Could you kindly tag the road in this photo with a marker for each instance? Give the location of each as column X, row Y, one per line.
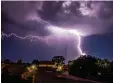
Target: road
column 50, row 77
column 44, row 76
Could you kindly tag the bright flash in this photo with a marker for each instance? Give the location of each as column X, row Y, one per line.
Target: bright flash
column 57, row 31
column 61, row 31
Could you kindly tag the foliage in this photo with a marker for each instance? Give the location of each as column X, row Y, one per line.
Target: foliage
column 103, row 63
column 6, row 61
column 88, row 66
column 19, row 61
column 35, row 61
column 58, row 59
column 84, row 66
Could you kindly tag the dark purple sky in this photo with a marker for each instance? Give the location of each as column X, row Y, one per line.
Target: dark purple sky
column 93, row 19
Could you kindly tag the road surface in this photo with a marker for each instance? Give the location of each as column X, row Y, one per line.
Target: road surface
column 50, row 77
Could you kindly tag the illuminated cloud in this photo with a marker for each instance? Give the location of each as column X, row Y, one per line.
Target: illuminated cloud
column 66, row 4
column 67, row 14
column 33, row 18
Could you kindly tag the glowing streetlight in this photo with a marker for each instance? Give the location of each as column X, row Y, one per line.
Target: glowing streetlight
column 31, row 71
column 59, row 68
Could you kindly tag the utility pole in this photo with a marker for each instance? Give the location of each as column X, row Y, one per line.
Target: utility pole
column 34, row 75
column 33, row 80
column 66, row 52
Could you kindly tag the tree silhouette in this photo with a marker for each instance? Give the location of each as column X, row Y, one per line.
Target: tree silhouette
column 70, row 62
column 105, row 63
column 35, row 61
column 58, row 59
column 7, row 61
column 111, row 67
column 92, row 68
column 84, row 66
column 19, row 61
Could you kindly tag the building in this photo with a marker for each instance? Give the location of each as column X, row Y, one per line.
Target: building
column 46, row 64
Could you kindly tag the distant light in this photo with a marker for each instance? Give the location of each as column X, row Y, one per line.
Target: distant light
column 33, row 66
column 28, row 68
column 99, row 73
column 59, row 68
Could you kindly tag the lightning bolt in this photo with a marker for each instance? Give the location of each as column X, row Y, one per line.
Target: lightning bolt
column 79, row 45
column 30, row 37
column 54, row 30
column 62, row 31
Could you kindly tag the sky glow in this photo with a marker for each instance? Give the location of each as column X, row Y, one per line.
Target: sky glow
column 55, row 31
column 56, row 28
column 62, row 31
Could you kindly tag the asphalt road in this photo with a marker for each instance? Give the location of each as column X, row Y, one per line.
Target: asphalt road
column 51, row 77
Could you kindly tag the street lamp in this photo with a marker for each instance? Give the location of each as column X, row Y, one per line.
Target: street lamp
column 31, row 71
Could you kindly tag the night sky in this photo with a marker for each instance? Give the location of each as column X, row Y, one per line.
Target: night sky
column 93, row 19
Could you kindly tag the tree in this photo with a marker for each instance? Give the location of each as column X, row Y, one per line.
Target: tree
column 19, row 61
column 105, row 63
column 6, row 61
column 92, row 68
column 70, row 62
column 111, row 67
column 58, row 59
column 84, row 66
column 35, row 61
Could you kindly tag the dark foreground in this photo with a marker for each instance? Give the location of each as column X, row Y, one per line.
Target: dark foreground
column 50, row 77
column 44, row 77
column 12, row 74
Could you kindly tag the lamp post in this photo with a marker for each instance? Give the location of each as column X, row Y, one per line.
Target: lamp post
column 34, row 68
column 66, row 53
column 31, row 72
column 33, row 80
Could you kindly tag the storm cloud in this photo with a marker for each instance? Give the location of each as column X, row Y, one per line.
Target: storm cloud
column 88, row 17
column 32, row 18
